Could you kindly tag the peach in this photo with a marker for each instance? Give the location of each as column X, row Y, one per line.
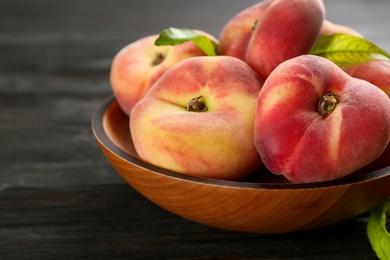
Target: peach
column 138, row 65
column 316, row 123
column 272, row 31
column 198, row 119
column 288, row 28
column 329, row 28
column 235, row 35
column 375, row 72
column 381, row 162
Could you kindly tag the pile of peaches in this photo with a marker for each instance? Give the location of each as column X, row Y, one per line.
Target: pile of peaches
column 262, row 101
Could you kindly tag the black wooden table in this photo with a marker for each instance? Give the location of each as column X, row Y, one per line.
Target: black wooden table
column 59, row 197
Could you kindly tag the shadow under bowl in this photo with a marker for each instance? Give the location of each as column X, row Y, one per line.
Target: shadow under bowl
column 261, row 203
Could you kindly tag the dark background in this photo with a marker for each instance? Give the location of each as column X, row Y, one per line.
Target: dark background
column 59, row 197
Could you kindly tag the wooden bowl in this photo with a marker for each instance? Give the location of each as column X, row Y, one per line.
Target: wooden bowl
column 261, row 203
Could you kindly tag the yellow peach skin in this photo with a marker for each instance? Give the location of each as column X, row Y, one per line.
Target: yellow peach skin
column 212, row 136
column 138, row 65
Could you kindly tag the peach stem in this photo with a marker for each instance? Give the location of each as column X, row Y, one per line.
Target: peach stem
column 158, row 59
column 196, row 105
column 328, row 104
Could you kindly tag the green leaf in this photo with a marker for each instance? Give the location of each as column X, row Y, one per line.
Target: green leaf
column 174, row 36
column 347, row 50
column 377, row 232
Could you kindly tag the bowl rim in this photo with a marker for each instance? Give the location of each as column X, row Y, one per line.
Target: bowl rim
column 102, row 137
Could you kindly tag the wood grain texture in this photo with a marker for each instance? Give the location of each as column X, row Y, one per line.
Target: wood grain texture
column 59, row 196
column 259, row 206
column 115, row 222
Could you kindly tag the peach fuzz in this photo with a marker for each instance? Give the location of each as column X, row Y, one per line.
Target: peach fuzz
column 272, row 31
column 288, row 28
column 214, row 142
column 375, row 72
column 139, row 64
column 382, row 162
column 316, row 123
column 235, row 35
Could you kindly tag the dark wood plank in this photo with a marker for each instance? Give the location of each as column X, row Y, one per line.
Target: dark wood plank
column 115, row 222
column 85, row 35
